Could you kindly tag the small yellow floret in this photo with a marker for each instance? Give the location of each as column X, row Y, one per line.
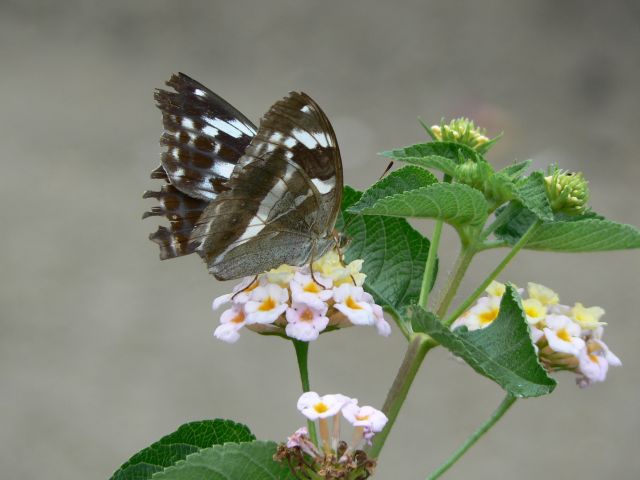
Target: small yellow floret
column 543, row 294
column 496, row 289
column 534, row 308
column 587, row 318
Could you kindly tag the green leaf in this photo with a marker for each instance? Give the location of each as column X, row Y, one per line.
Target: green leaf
column 407, row 178
column 585, row 233
column 456, row 204
column 232, row 461
column 532, row 193
column 189, row 438
column 503, row 351
column 516, row 170
column 394, row 253
column 443, row 156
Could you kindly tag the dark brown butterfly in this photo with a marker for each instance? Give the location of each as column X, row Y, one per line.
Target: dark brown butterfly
column 245, row 199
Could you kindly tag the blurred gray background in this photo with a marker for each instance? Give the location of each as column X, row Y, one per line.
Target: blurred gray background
column 104, row 348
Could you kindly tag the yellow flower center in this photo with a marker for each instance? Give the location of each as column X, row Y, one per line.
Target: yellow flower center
column 362, row 417
column 312, row 287
column 352, row 304
column 267, row 304
column 564, row 335
column 320, row 407
column 488, row 316
column 593, row 358
column 306, row 316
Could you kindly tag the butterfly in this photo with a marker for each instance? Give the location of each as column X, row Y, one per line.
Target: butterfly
column 245, row 199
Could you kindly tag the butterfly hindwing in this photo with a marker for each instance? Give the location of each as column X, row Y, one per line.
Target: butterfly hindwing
column 283, row 197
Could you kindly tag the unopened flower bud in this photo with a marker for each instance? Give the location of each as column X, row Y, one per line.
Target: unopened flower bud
column 460, row 130
column 567, row 192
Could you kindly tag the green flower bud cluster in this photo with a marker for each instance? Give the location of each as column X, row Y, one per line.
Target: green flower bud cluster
column 567, row 192
column 460, row 130
column 497, row 188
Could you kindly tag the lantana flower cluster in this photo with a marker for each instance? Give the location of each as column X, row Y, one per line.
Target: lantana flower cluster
column 336, row 458
column 566, row 337
column 299, row 303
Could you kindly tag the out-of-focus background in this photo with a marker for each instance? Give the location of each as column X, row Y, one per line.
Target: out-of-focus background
column 104, row 349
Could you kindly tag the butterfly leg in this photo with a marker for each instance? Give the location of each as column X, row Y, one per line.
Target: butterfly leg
column 313, row 277
column 251, row 284
column 336, row 236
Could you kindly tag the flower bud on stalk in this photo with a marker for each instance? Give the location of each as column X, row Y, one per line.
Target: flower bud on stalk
column 460, row 130
column 567, row 192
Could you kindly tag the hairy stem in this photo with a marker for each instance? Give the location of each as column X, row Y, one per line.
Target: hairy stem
column 302, row 355
column 508, row 401
column 459, row 269
column 429, row 269
column 418, row 347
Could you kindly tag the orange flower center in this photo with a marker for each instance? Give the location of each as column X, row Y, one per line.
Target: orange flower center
column 320, row 407
column 239, row 318
column 267, row 304
column 488, row 316
column 312, row 287
column 352, row 304
column 306, row 316
column 564, row 335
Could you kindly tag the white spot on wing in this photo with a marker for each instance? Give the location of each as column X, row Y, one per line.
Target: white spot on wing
column 305, row 109
column 187, row 123
column 290, row 142
column 200, row 93
column 304, row 138
column 224, row 127
column 324, row 186
column 223, row 169
column 242, row 127
column 212, row 132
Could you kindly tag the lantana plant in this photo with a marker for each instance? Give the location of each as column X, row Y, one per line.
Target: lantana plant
column 514, row 336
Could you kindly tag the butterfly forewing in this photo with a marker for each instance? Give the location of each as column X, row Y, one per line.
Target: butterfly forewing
column 283, row 197
column 204, row 137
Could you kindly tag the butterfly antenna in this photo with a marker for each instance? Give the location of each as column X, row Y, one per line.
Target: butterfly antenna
column 386, row 170
column 245, row 288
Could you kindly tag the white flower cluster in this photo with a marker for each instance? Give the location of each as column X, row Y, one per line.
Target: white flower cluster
column 567, row 338
column 367, row 420
column 290, row 300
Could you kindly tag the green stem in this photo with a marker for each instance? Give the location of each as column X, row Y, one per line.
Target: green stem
column 499, row 221
column 418, row 347
column 429, row 269
column 508, row 401
column 302, row 355
column 459, row 269
column 478, row 291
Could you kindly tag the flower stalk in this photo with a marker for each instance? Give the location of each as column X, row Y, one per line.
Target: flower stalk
column 302, row 356
column 504, row 406
column 419, row 345
column 492, row 276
